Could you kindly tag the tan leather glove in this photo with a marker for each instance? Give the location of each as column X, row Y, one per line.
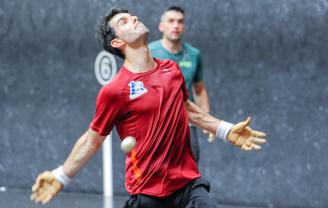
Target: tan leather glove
column 242, row 136
column 45, row 188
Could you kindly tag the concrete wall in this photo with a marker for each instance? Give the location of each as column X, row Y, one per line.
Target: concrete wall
column 264, row 58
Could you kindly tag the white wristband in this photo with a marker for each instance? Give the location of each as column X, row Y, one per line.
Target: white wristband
column 60, row 176
column 223, row 130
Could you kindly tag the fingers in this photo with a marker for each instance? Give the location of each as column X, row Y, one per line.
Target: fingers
column 39, row 180
column 257, row 134
column 211, row 139
column 255, row 146
column 37, row 194
column 246, row 148
column 44, row 194
column 33, row 196
column 37, row 188
column 245, row 138
column 47, row 199
column 210, row 136
column 241, row 125
column 37, row 183
column 45, row 188
column 259, row 140
column 41, row 196
column 250, row 147
column 50, row 192
column 241, row 142
column 251, row 143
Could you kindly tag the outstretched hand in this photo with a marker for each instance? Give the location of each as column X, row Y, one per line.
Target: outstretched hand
column 242, row 136
column 45, row 188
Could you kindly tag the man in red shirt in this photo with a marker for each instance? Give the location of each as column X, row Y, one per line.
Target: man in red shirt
column 147, row 100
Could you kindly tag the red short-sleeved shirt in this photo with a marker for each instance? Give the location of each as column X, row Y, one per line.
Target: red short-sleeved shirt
column 150, row 107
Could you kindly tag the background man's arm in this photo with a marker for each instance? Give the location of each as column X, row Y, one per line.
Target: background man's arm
column 201, row 100
column 200, row 95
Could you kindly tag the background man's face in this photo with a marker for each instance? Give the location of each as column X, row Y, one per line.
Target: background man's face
column 128, row 28
column 172, row 25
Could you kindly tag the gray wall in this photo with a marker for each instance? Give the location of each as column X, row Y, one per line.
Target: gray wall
column 264, row 58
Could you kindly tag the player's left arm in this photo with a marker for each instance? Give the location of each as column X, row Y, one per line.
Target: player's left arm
column 241, row 135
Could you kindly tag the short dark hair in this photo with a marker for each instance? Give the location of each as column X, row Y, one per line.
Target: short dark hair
column 175, row 8
column 106, row 33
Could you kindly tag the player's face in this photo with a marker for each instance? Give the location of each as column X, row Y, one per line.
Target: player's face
column 172, row 25
column 128, row 28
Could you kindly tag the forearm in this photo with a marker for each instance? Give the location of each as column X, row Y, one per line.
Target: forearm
column 201, row 96
column 85, row 147
column 201, row 118
column 201, row 99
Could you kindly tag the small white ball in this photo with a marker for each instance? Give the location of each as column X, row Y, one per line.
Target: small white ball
column 128, row 144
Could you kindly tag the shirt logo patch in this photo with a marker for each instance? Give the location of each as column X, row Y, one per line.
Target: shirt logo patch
column 187, row 64
column 136, row 89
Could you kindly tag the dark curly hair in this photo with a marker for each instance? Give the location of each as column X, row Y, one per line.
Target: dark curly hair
column 106, row 34
column 175, row 8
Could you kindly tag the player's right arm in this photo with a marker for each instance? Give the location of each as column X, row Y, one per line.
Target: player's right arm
column 109, row 108
column 48, row 184
column 85, row 147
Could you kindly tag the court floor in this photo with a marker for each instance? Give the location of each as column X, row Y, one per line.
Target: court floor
column 20, row 198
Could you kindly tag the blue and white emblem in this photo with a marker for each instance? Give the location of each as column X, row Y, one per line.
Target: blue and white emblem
column 136, row 89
